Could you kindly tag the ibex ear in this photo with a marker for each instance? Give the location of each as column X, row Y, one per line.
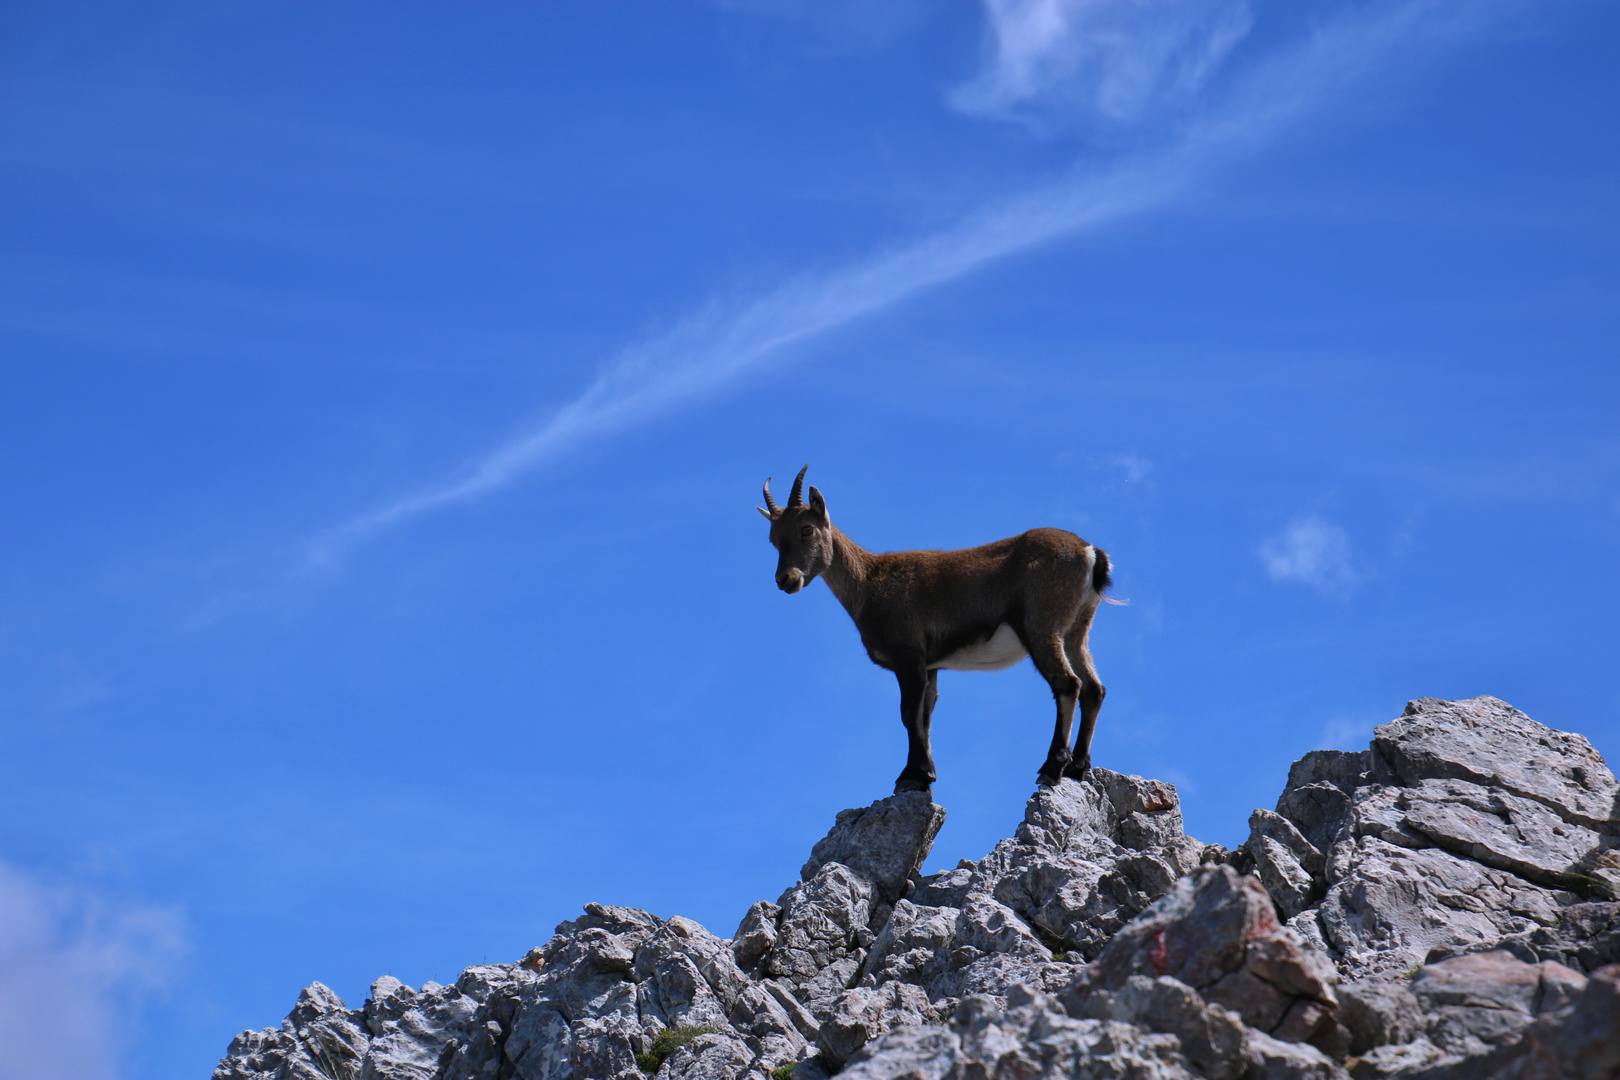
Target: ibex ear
column 818, row 505
column 764, row 513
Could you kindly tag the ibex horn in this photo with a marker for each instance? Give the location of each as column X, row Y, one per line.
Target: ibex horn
column 796, row 496
column 770, row 502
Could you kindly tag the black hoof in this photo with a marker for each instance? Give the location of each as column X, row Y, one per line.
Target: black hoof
column 1047, row 780
column 903, row 785
column 1077, row 770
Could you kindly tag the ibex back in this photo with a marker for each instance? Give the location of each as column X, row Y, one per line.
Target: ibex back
column 981, row 609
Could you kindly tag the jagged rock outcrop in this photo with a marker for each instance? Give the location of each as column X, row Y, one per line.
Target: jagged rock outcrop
column 1445, row 904
column 1465, row 824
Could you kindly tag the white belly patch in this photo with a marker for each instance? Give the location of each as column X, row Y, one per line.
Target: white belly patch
column 1002, row 650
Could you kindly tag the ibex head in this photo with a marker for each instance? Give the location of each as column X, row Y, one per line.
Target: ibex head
column 802, row 534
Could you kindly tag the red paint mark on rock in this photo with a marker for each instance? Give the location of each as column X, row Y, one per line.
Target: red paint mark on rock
column 1159, row 954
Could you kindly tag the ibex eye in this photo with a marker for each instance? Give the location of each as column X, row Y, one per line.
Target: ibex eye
column 805, row 530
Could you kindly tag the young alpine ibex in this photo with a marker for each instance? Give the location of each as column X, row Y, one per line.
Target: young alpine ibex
column 982, row 609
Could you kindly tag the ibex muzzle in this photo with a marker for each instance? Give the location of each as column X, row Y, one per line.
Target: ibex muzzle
column 981, row 609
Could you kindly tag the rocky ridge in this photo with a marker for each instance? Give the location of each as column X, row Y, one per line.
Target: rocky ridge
column 1444, row 904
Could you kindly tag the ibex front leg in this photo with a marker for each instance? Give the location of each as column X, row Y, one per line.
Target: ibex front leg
column 917, row 695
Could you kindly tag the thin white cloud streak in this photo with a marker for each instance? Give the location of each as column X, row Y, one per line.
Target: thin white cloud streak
column 1314, row 552
column 73, row 968
column 711, row 349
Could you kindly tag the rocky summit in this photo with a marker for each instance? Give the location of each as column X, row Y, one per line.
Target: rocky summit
column 1442, row 904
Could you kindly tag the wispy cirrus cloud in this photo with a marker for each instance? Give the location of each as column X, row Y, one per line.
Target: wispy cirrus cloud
column 1346, row 733
column 1061, row 62
column 1132, row 466
column 1312, row 551
column 73, row 965
column 1159, row 60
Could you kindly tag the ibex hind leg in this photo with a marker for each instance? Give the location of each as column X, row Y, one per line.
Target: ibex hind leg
column 1092, row 692
column 1053, row 665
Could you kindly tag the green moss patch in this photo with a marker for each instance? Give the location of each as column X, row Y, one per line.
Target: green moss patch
column 666, row 1043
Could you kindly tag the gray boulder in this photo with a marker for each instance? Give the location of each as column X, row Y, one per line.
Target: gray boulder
column 916, row 1053
column 1488, row 742
column 1274, row 1059
column 1379, row 1013
column 1388, row 906
column 1477, row 1002
column 1503, row 830
column 1217, row 933
column 755, row 934
column 1031, row 1037
column 1212, row 1038
column 1290, row 866
column 716, row 1055
column 1586, row 937
column 320, row 1038
column 862, row 1014
column 885, row 843
column 768, row 1009
column 1465, row 827
column 913, row 946
column 996, row 975
column 818, row 923
column 410, row 1029
column 1089, row 856
column 1581, row 1042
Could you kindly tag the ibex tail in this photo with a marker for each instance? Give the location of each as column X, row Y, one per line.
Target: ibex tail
column 1102, row 577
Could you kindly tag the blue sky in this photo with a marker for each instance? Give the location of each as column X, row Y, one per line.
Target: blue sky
column 387, row 389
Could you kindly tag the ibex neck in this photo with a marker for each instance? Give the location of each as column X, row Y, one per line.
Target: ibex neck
column 846, row 577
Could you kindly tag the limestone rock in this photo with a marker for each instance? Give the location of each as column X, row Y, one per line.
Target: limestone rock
column 1582, row 1044
column 1390, row 906
column 1031, row 1037
column 995, row 976
column 1586, row 937
column 714, row 1056
column 1483, row 1000
column 1273, row 1059
column 913, row 945
column 755, row 934
column 916, row 1053
column 1288, row 865
column 862, row 1014
column 885, row 843
column 1211, row 1037
column 1398, row 1060
column 1379, row 1013
column 768, row 1009
column 1503, row 830
column 1469, row 845
column 1488, row 742
column 320, row 1037
column 1088, row 857
column 1320, row 810
column 409, row 1044
column 986, row 926
column 1217, row 933
column 818, row 923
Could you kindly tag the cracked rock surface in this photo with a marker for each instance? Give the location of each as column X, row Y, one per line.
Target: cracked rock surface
column 1444, row 904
